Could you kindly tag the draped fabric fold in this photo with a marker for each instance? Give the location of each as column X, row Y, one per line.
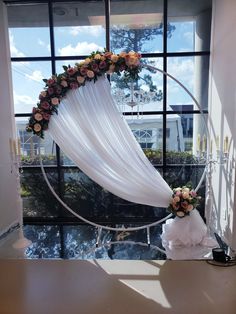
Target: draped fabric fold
column 92, row 133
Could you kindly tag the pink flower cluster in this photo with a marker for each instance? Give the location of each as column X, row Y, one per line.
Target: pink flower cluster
column 183, row 201
column 74, row 77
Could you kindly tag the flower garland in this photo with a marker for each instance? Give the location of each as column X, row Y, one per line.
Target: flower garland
column 97, row 64
column 183, row 201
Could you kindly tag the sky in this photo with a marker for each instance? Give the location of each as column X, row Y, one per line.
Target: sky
column 34, row 42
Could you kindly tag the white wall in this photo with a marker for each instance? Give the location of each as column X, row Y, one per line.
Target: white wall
column 8, row 192
column 222, row 218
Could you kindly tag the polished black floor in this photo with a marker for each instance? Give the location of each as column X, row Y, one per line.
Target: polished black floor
column 79, row 242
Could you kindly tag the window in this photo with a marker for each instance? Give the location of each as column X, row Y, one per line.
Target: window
column 170, row 35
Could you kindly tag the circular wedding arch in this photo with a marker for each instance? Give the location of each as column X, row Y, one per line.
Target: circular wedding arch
column 147, row 226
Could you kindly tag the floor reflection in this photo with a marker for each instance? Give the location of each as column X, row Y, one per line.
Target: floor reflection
column 79, row 242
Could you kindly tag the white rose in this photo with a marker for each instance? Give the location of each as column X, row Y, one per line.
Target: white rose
column 180, row 214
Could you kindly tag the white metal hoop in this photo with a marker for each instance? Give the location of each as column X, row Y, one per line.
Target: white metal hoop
column 144, row 226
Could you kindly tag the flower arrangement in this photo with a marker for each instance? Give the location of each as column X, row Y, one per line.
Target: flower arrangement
column 97, row 64
column 183, row 201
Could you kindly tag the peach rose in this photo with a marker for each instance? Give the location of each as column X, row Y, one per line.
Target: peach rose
column 80, row 79
column 185, row 195
column 97, row 56
column 38, row 116
column 90, row 74
column 114, row 58
column 122, row 54
column 64, row 83
column 43, row 94
column 87, row 61
column 37, row 127
column 190, row 207
column 54, row 101
column 176, row 199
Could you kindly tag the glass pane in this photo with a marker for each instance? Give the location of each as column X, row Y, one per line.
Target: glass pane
column 143, row 95
column 148, row 131
column 137, row 26
column 27, row 83
column 38, row 200
column 192, row 25
column 32, row 146
column 45, row 241
column 79, row 27
column 28, row 30
column 192, row 72
column 186, row 138
column 90, row 200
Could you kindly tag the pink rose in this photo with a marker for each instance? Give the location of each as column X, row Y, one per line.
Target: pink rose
column 178, row 193
column 190, row 207
column 51, row 81
column 102, row 65
column 54, row 101
column 50, row 91
column 122, row 67
column 193, row 193
column 83, row 71
column 108, row 54
column 71, row 71
column 74, row 85
column 58, row 90
column 184, row 205
column 95, row 67
column 46, row 116
column 45, row 105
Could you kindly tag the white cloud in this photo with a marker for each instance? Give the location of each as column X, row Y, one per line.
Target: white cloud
column 87, row 30
column 182, row 69
column 35, row 76
column 41, row 42
column 82, row 48
column 23, row 99
column 189, row 36
column 14, row 51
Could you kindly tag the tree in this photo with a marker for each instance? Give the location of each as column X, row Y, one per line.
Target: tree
column 134, row 39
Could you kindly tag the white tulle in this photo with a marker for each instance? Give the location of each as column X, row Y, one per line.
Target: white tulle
column 92, row 133
column 188, row 231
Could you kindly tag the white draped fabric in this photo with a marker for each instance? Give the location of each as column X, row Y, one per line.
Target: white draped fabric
column 92, row 133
